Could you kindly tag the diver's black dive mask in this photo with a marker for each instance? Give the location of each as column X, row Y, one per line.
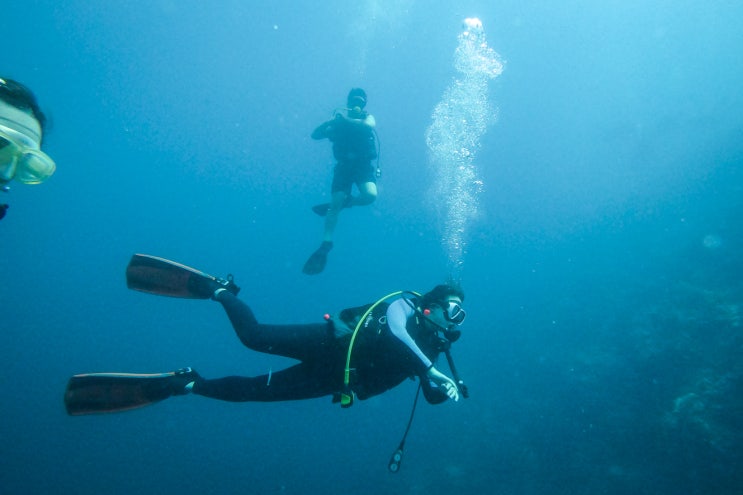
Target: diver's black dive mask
column 454, row 313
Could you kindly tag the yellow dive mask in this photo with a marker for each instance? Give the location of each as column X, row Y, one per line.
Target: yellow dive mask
column 21, row 159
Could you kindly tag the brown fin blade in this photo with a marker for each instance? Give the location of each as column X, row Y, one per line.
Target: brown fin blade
column 163, row 277
column 96, row 393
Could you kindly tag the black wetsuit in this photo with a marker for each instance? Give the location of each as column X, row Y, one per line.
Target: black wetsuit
column 379, row 359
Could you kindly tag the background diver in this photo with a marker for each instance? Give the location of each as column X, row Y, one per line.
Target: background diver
column 361, row 352
column 352, row 132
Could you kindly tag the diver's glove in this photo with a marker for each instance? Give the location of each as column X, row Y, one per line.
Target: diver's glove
column 445, row 382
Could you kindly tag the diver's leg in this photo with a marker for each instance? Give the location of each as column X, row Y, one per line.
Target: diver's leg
column 367, row 194
column 302, row 342
column 301, row 381
column 343, row 180
column 338, row 202
column 341, row 194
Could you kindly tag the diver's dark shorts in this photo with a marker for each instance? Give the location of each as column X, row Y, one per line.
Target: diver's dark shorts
column 347, row 174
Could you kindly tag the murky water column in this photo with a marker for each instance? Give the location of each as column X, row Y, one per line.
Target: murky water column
column 453, row 138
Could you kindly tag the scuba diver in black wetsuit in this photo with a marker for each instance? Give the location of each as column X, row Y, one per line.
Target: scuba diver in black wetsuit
column 21, row 130
column 352, row 132
column 361, row 352
column 398, row 341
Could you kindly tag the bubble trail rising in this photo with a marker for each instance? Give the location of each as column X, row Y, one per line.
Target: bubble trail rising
column 453, row 138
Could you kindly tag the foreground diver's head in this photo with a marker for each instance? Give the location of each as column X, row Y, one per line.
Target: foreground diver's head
column 442, row 306
column 356, row 100
column 21, row 130
column 19, row 96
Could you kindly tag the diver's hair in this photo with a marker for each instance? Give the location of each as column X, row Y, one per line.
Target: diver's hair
column 356, row 93
column 16, row 94
column 440, row 293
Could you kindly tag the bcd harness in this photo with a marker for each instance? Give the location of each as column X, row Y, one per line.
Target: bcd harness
column 346, row 396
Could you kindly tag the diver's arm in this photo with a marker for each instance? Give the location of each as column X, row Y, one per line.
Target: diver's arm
column 444, row 383
column 323, row 130
column 368, row 121
column 397, row 318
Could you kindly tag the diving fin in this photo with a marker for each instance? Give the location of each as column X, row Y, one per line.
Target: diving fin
column 94, row 393
column 316, row 262
column 155, row 275
column 321, row 209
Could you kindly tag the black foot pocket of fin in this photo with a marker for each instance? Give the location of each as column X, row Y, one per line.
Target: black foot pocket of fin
column 316, row 263
column 95, row 393
column 167, row 278
column 321, row 209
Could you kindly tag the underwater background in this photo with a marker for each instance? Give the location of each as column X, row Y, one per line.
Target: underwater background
column 602, row 260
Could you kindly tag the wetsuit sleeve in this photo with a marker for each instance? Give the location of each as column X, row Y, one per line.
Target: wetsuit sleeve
column 397, row 318
column 323, row 130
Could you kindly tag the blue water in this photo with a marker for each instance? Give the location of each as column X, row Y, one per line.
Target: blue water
column 603, row 271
